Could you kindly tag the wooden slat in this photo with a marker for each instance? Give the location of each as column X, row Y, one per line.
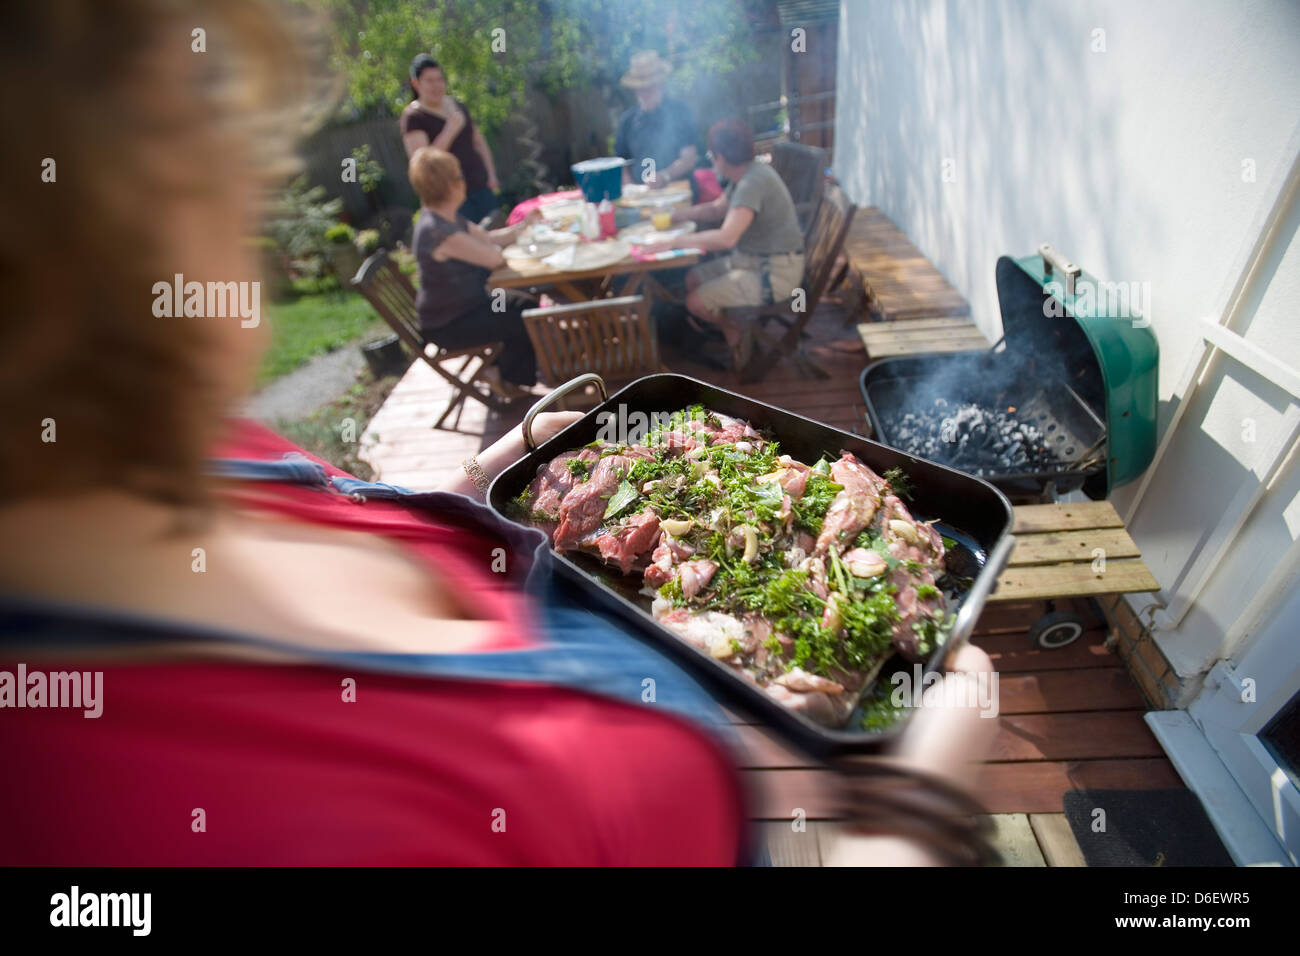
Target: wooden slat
column 1011, row 616
column 1060, row 580
column 944, row 346
column 1091, row 689
column 1056, row 839
column 1073, row 736
column 1015, row 653
column 1040, row 787
column 941, row 323
column 899, row 312
column 1066, row 517
column 899, row 334
column 908, row 291
column 1014, row 840
column 1058, row 547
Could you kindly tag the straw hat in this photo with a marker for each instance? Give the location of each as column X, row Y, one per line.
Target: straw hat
column 646, row 70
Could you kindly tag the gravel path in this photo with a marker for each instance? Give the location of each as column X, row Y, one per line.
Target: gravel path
column 296, row 395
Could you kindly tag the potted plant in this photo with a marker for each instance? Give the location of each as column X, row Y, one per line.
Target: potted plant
column 367, row 242
column 344, row 255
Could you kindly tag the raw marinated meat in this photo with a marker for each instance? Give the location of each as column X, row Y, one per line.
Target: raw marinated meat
column 804, row 578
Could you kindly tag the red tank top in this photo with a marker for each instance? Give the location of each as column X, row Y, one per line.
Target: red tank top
column 235, row 763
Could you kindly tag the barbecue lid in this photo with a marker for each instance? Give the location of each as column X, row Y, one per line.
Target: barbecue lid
column 1075, row 326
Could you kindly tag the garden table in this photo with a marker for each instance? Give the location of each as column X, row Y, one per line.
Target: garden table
column 623, row 278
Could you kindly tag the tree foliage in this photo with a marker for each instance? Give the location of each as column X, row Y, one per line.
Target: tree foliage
column 492, row 51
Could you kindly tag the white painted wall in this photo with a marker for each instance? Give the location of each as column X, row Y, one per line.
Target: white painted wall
column 1135, row 161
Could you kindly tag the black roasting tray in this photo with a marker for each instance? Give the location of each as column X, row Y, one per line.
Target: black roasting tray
column 969, row 510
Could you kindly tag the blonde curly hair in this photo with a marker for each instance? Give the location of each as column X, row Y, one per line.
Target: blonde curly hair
column 93, row 93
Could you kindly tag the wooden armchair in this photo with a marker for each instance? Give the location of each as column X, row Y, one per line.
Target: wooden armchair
column 803, row 170
column 613, row 337
column 827, row 232
column 390, row 293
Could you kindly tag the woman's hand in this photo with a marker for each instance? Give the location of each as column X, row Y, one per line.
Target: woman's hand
column 549, row 424
column 493, row 183
column 508, row 449
column 665, row 245
column 455, row 117
column 946, row 739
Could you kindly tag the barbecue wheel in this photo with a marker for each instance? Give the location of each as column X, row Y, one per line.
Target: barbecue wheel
column 1055, row 630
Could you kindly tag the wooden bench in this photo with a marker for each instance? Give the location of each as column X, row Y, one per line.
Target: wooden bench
column 1056, row 554
column 908, row 306
column 895, row 281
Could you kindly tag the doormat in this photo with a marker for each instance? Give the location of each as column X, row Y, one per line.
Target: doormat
column 1143, row 828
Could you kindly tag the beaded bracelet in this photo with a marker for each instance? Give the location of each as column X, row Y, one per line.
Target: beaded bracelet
column 476, row 473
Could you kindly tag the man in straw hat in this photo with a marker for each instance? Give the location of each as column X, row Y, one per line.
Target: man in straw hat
column 659, row 129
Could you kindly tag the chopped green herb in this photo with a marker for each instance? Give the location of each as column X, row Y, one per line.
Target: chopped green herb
column 899, row 482
column 579, row 468
column 810, row 510
column 520, row 507
column 931, row 631
column 624, row 495
column 672, row 591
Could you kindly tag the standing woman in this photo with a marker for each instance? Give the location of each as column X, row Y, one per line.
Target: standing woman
column 435, row 119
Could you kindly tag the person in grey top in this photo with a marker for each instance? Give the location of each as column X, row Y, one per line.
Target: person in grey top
column 759, row 234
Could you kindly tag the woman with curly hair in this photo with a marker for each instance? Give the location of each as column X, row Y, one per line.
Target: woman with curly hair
column 294, row 667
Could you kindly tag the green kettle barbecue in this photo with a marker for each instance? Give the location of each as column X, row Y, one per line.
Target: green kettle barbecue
column 1066, row 400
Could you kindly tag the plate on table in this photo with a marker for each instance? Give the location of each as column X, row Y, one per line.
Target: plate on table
column 538, row 242
column 589, row 255
column 523, row 263
column 562, row 212
column 657, row 197
column 644, row 232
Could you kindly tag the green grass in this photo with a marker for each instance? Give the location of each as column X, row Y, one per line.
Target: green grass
column 313, row 325
column 323, row 433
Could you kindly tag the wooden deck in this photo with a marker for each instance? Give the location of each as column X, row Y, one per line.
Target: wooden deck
column 404, row 450
column 1070, row 718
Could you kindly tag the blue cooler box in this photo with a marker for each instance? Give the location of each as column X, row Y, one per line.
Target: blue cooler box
column 600, row 178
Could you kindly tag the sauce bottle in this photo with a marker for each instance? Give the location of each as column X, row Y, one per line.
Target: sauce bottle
column 608, row 225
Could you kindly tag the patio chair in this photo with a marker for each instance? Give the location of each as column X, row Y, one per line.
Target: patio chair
column 614, row 338
column 803, row 170
column 829, row 228
column 390, row 293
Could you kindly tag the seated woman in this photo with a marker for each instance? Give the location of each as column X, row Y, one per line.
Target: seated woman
column 455, row 258
column 759, row 234
column 286, row 670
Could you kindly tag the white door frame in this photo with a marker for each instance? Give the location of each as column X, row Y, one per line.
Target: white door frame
column 1214, row 744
